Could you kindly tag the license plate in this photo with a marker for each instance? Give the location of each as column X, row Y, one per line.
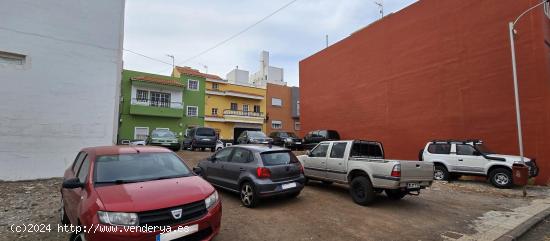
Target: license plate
column 298, row 143
column 288, row 185
column 178, row 233
column 413, row 185
column 206, row 139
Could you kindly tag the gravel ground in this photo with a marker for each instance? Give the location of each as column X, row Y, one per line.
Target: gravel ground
column 444, row 211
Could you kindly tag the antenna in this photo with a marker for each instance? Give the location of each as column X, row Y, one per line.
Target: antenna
column 381, row 6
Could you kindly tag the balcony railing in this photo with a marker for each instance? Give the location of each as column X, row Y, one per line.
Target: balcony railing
column 153, row 103
column 243, row 113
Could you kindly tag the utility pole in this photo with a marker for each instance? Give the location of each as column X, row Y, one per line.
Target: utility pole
column 512, row 32
column 173, row 60
column 381, row 6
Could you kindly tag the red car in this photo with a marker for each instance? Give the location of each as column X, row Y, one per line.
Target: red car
column 137, row 193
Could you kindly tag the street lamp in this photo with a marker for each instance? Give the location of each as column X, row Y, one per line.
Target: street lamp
column 514, row 70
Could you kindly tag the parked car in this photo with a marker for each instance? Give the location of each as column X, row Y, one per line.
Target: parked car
column 254, row 171
column 137, row 143
column 137, row 186
column 165, row 138
column 453, row 158
column 286, row 139
column 361, row 165
column 219, row 145
column 201, row 137
column 253, row 137
column 313, row 138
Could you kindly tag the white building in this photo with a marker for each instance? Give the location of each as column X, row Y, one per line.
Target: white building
column 60, row 71
column 267, row 73
column 238, row 76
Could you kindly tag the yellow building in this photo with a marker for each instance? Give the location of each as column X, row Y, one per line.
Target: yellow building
column 231, row 108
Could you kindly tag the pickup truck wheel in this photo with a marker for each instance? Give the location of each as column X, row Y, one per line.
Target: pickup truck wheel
column 395, row 194
column 441, row 173
column 249, row 198
column 501, row 178
column 361, row 190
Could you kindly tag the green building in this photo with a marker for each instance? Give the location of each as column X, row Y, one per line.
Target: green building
column 152, row 102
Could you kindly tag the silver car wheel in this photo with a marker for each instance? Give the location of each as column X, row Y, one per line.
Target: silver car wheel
column 439, row 175
column 501, row 179
column 246, row 194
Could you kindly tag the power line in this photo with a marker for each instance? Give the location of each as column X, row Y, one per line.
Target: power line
column 145, row 56
column 237, row 34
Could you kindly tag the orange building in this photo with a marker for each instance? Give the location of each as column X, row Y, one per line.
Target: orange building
column 437, row 70
column 282, row 109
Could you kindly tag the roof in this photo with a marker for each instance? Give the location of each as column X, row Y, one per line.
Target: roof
column 157, row 80
column 194, row 72
column 260, row 148
column 116, row 150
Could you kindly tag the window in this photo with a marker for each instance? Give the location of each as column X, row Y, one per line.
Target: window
column 256, row 108
column 367, row 149
column 275, row 124
column 439, row 148
column 234, row 106
column 206, row 132
column 215, row 86
column 223, row 155
column 192, row 111
column 278, row 158
column 84, row 169
column 142, row 95
column 160, row 99
column 241, row 156
column 192, row 84
column 141, row 133
column 320, row 150
column 10, row 58
column 276, row 102
column 466, row 150
column 214, row 111
column 78, row 161
column 338, row 150
column 297, row 126
column 245, row 108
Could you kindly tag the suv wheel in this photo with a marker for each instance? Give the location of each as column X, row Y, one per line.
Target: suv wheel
column 394, row 194
column 361, row 190
column 249, row 198
column 441, row 173
column 501, row 178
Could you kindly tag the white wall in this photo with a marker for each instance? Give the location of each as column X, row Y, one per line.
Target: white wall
column 238, row 76
column 66, row 96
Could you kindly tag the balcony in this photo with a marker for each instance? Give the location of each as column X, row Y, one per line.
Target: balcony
column 156, row 108
column 238, row 116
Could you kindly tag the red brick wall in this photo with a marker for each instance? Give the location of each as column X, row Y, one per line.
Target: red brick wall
column 437, row 69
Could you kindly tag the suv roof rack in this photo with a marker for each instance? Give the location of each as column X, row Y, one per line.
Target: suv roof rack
column 458, row 141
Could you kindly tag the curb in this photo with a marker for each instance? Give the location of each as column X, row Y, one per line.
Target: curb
column 521, row 229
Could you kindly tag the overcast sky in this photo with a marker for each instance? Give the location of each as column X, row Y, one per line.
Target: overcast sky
column 186, row 28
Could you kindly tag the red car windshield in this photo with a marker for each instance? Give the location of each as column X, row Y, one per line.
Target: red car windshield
column 127, row 168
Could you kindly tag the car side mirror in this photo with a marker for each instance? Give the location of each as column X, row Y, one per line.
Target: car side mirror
column 197, row 170
column 72, row 183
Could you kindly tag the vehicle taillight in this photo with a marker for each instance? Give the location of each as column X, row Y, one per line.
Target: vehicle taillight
column 396, row 171
column 301, row 169
column 263, row 172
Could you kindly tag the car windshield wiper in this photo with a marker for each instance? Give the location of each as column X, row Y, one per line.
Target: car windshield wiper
column 168, row 177
column 119, row 181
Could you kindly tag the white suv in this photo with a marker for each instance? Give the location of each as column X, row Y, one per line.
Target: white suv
column 454, row 158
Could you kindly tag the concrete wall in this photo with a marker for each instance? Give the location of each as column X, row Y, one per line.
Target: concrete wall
column 436, row 69
column 66, row 96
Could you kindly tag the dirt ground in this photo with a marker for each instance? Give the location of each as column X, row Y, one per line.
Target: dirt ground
column 443, row 212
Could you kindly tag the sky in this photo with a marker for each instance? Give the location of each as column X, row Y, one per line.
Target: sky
column 186, row 28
